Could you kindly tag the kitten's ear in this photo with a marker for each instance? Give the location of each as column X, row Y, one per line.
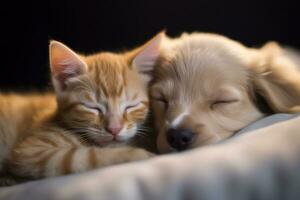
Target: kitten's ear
column 65, row 64
column 148, row 54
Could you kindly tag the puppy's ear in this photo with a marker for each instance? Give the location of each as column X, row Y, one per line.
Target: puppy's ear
column 276, row 78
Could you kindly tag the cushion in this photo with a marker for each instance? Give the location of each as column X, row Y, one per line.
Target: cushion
column 261, row 162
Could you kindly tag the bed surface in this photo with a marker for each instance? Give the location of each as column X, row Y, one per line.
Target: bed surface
column 261, row 162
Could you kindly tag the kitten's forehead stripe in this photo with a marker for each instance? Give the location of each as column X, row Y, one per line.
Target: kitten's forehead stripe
column 124, row 75
column 102, row 87
column 97, row 78
column 108, row 75
column 120, row 90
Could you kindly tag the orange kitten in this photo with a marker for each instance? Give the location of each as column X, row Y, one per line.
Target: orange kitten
column 100, row 101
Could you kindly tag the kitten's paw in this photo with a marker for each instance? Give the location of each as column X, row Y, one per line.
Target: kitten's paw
column 140, row 154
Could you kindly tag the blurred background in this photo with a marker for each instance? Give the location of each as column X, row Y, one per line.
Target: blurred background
column 94, row 25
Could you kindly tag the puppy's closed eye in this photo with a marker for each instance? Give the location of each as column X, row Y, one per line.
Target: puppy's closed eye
column 223, row 102
column 226, row 96
column 162, row 102
column 159, row 99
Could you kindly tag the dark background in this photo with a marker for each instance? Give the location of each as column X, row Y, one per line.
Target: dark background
column 92, row 25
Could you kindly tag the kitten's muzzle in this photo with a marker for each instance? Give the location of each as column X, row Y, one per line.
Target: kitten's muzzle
column 180, row 139
column 114, row 130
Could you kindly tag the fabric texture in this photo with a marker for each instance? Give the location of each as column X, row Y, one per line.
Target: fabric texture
column 261, row 162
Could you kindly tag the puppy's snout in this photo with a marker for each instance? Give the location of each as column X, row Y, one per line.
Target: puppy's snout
column 180, row 139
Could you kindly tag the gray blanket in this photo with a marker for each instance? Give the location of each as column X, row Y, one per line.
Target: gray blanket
column 259, row 164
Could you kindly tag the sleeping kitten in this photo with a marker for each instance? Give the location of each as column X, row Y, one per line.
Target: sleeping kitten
column 100, row 100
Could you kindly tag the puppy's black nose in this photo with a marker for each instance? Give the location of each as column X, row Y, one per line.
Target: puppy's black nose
column 180, row 139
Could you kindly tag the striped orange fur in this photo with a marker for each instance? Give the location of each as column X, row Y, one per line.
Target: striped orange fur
column 99, row 103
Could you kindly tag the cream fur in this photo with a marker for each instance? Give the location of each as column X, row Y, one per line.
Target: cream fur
column 215, row 78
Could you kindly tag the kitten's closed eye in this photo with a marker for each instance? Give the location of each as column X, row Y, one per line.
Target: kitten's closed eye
column 130, row 107
column 94, row 108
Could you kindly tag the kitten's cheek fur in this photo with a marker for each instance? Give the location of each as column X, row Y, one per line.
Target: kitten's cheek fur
column 127, row 134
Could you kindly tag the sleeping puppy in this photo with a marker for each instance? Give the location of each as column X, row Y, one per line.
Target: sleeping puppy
column 206, row 87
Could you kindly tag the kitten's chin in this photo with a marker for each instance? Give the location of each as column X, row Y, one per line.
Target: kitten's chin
column 108, row 139
column 122, row 138
column 112, row 141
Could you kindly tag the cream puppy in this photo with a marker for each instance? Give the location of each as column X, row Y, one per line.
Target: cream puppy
column 206, row 87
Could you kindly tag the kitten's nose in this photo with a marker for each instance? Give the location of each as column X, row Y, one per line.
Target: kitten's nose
column 114, row 130
column 114, row 125
column 180, row 139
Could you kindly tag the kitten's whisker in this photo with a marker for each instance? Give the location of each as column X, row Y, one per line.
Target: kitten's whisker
column 142, row 134
column 144, row 130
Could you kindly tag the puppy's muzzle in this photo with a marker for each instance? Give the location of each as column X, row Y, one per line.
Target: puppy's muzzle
column 180, row 139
